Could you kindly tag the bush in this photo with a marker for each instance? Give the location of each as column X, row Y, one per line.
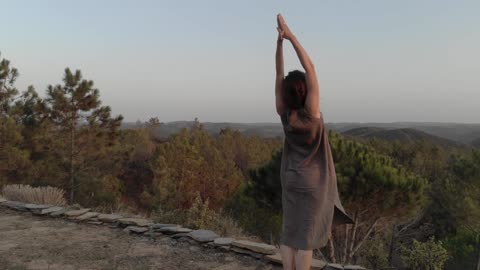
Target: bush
column 374, row 253
column 38, row 195
column 430, row 255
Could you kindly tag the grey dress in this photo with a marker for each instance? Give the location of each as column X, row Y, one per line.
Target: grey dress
column 310, row 200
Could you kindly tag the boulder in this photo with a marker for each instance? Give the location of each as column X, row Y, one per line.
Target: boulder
column 140, row 222
column 2, row 200
column 257, row 247
column 75, row 213
column 135, row 229
column 109, row 218
column 223, row 241
column 203, row 235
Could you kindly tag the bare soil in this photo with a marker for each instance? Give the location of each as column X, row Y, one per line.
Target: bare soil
column 31, row 242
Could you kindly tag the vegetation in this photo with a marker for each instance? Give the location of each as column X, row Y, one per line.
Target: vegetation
column 397, row 191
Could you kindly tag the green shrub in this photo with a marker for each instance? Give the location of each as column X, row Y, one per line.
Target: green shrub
column 374, row 253
column 430, row 255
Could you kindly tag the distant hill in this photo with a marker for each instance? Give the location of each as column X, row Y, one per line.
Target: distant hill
column 401, row 134
column 461, row 133
column 476, row 143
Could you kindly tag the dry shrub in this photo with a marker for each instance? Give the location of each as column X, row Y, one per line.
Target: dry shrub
column 39, row 195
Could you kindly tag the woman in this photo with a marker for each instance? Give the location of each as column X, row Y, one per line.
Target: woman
column 310, row 199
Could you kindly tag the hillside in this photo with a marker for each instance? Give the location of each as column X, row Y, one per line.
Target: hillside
column 452, row 132
column 401, row 134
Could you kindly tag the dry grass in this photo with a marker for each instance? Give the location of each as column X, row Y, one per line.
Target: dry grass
column 39, row 195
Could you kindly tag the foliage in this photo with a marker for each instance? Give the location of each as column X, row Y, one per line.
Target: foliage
column 374, row 253
column 38, row 195
column 430, row 255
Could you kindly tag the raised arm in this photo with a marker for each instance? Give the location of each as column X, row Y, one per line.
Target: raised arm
column 313, row 91
column 279, row 75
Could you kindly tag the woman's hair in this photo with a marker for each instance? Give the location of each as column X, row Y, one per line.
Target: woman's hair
column 294, row 90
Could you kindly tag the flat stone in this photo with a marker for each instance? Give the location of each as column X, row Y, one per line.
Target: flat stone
column 333, row 266
column 179, row 235
column 172, row 230
column 140, row 222
column 74, row 213
column 318, row 264
column 95, row 222
column 32, row 206
column 2, row 200
column 203, row 235
column 86, row 216
column 223, row 241
column 157, row 226
column 15, row 205
column 58, row 213
column 47, row 211
column 354, row 267
column 246, row 252
column 257, row 247
column 276, row 258
column 109, row 218
column 135, row 229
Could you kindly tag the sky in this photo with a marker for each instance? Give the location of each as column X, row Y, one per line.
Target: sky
column 376, row 60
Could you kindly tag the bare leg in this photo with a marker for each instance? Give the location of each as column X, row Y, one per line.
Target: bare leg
column 288, row 254
column 303, row 259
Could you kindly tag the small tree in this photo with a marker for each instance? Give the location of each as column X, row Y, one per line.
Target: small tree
column 425, row 256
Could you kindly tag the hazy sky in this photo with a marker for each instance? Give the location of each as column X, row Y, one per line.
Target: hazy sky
column 376, row 60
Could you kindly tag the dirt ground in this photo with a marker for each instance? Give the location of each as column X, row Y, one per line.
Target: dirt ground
column 31, row 242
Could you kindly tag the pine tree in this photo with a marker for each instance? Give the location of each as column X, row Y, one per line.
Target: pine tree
column 87, row 127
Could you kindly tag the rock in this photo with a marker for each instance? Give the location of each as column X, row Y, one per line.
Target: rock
column 95, row 222
column 135, row 229
column 140, row 222
column 194, row 248
column 109, row 218
column 246, row 252
column 31, row 206
column 179, row 235
column 277, row 258
column 157, row 226
column 58, row 213
column 86, row 216
column 203, row 235
column 333, row 266
column 223, row 241
column 74, row 213
column 47, row 211
column 19, row 206
column 257, row 247
column 354, row 267
column 318, row 264
column 172, row 230
column 2, row 200
column 224, row 248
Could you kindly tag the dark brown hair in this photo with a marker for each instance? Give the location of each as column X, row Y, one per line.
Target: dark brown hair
column 294, row 90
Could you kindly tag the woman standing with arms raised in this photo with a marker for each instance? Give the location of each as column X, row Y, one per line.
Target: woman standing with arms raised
column 310, row 198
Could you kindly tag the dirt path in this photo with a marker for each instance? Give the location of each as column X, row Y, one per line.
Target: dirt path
column 30, row 242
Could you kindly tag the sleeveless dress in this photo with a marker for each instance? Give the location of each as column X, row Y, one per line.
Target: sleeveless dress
column 310, row 200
